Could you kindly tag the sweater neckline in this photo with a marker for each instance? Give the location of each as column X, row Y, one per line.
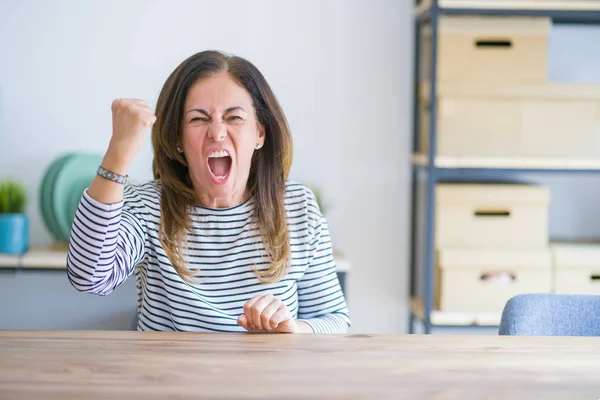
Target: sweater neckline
column 240, row 208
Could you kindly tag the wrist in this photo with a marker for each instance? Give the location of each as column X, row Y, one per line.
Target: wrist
column 303, row 327
column 116, row 161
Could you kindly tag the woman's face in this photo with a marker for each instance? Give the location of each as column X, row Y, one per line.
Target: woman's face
column 220, row 134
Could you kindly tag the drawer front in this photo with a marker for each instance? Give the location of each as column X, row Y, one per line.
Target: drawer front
column 504, row 127
column 490, row 49
column 488, row 290
column 493, row 58
column 497, row 226
column 479, row 127
column 577, row 281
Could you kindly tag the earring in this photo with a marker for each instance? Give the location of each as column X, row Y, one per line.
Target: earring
column 259, row 146
column 179, row 149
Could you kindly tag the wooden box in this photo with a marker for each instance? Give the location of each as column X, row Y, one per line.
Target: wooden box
column 483, row 280
column 478, row 49
column 576, row 268
column 544, row 5
column 519, row 122
column 491, row 216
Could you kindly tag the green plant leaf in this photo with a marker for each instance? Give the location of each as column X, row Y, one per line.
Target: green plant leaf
column 13, row 197
column 318, row 197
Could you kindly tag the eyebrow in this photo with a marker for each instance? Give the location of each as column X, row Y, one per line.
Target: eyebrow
column 202, row 111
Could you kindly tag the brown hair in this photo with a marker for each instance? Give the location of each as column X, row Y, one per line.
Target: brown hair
column 269, row 166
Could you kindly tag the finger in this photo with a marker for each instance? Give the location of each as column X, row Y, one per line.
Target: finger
column 281, row 315
column 142, row 108
column 243, row 322
column 256, row 330
column 129, row 104
column 117, row 104
column 258, row 308
column 265, row 317
column 143, row 113
column 139, row 102
column 248, row 309
column 147, row 118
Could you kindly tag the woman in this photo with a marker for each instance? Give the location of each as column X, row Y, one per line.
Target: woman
column 220, row 240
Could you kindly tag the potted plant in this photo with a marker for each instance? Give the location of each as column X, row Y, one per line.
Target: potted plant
column 14, row 226
column 318, row 197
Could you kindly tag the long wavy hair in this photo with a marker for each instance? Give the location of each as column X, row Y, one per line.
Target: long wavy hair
column 268, row 171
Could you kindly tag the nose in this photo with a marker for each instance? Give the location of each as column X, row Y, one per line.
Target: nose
column 217, row 130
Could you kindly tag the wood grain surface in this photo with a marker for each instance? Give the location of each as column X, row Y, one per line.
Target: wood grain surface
column 149, row 365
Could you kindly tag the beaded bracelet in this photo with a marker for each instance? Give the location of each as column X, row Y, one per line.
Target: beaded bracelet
column 122, row 179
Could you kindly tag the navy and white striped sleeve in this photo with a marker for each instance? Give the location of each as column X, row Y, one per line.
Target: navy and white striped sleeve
column 107, row 242
column 321, row 302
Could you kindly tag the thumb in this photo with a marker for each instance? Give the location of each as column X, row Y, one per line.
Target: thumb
column 287, row 326
column 243, row 321
column 149, row 121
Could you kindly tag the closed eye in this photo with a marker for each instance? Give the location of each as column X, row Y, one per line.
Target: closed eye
column 199, row 119
column 235, row 118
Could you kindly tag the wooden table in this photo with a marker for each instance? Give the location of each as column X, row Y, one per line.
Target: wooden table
column 127, row 365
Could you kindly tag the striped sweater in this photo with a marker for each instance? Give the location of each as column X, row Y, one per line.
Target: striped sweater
column 110, row 242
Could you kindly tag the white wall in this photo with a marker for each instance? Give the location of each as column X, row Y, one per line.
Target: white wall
column 341, row 69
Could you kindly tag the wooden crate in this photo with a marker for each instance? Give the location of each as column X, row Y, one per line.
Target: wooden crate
column 576, row 268
column 483, row 49
column 483, row 280
column 491, row 216
column 515, row 121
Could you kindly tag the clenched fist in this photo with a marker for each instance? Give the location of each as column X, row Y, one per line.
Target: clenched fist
column 266, row 313
column 130, row 118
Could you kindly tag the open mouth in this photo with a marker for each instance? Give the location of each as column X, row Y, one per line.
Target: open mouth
column 219, row 163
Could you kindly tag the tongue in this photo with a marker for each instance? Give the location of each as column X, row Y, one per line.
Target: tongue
column 219, row 166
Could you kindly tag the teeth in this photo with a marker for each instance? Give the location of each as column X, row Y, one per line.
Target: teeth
column 217, row 154
column 221, row 177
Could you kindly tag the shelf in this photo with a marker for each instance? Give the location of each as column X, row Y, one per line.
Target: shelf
column 7, row 261
column 439, row 168
column 342, row 265
column 510, row 164
column 539, row 5
column 561, row 11
column 454, row 319
column 44, row 259
column 35, row 259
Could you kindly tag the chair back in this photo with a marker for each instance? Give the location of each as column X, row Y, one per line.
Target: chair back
column 551, row 315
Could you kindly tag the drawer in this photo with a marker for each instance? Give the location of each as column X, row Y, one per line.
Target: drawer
column 478, row 49
column 559, row 121
column 491, row 216
column 576, row 268
column 483, row 280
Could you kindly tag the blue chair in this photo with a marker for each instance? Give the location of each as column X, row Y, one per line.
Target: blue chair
column 551, row 315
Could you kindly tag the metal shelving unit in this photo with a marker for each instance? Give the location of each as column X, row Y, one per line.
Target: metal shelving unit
column 427, row 171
